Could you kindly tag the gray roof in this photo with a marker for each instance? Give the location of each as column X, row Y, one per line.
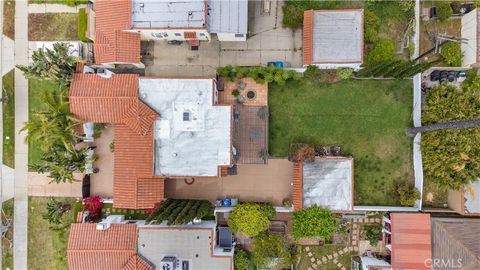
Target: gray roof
column 192, row 136
column 328, row 183
column 337, row 36
column 168, row 14
column 227, row 16
column 456, row 238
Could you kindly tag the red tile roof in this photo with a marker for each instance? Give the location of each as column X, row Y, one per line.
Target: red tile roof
column 190, row 35
column 111, row 43
column 308, row 37
column 134, row 187
column 297, row 186
column 113, row 248
column 411, row 242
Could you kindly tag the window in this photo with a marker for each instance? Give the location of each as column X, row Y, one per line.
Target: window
column 239, row 35
column 178, row 34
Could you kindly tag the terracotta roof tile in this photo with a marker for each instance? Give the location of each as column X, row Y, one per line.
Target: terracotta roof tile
column 89, row 248
column 140, row 118
column 307, row 37
column 149, row 192
column 137, row 263
column 297, row 185
column 111, row 43
column 411, row 242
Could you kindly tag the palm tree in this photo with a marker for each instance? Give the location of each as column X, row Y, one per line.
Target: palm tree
column 411, row 132
column 55, row 211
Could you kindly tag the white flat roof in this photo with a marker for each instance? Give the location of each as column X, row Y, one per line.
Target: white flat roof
column 337, row 36
column 228, row 16
column 168, row 13
column 328, row 183
column 192, row 136
column 190, row 244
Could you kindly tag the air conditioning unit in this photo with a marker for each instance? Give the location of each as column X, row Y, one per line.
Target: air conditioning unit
column 169, row 263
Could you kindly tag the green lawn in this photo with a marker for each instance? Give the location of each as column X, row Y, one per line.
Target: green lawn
column 367, row 118
column 9, row 119
column 47, row 248
column 71, row 3
column 35, row 87
column 52, row 26
column 319, row 252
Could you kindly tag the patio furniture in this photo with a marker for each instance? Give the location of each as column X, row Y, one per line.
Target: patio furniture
column 234, row 201
column 227, row 202
column 241, row 85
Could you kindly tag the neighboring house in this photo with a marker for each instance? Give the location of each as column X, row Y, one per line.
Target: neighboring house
column 163, row 128
column 326, row 182
column 333, row 38
column 455, row 243
column 115, row 243
column 407, row 238
column 116, row 27
column 466, row 201
column 470, row 30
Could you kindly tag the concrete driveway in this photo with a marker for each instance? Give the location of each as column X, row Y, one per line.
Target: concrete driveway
column 258, row 183
column 267, row 41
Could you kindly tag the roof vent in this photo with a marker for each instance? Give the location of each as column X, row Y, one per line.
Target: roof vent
column 186, row 116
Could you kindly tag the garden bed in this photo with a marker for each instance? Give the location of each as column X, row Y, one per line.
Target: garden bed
column 107, row 208
column 52, row 26
column 367, row 118
column 9, row 119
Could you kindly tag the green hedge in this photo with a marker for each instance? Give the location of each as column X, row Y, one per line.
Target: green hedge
column 82, row 25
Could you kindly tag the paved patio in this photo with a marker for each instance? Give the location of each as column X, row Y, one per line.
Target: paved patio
column 260, row 183
column 267, row 41
column 101, row 183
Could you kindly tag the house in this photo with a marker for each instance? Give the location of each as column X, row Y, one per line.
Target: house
column 116, row 27
column 467, row 200
column 333, row 38
column 326, row 182
column 118, row 244
column 469, row 32
column 164, row 128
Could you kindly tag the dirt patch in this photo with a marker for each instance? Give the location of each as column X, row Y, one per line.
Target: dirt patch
column 52, row 27
column 9, row 18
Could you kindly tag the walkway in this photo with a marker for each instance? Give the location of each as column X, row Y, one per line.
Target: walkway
column 53, row 8
column 7, row 182
column 39, row 185
column 8, row 55
column 20, row 241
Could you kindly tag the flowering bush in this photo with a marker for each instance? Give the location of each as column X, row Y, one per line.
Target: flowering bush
column 93, row 205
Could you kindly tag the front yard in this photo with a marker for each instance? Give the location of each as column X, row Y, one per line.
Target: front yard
column 52, row 27
column 8, row 119
column 367, row 118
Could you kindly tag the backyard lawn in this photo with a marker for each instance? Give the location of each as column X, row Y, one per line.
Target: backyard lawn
column 367, row 118
column 8, row 119
column 319, row 252
column 47, row 248
column 35, row 87
column 52, row 26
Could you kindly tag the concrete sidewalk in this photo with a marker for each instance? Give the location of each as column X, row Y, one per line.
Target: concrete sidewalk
column 20, row 225
column 7, row 183
column 8, row 55
column 53, row 8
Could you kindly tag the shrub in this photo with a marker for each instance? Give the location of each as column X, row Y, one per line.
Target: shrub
column 271, row 250
column 249, row 219
column 93, row 205
column 293, row 11
column 311, row 72
column 373, row 233
column 55, row 211
column 452, row 54
column 82, row 25
column 235, row 92
column 344, row 73
column 241, row 260
column 287, row 203
column 259, row 74
column 299, row 152
column 382, row 51
column 314, row 222
column 444, row 10
column 372, row 26
column 408, row 194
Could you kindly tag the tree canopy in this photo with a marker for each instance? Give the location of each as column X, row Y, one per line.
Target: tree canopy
column 250, row 218
column 271, row 250
column 314, row 222
column 451, row 157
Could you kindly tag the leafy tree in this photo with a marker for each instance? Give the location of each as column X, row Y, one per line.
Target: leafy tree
column 241, row 260
column 298, row 152
column 382, row 51
column 373, row 233
column 54, row 125
column 452, row 54
column 55, row 211
column 314, row 222
column 61, row 163
column 271, row 250
column 408, row 194
column 444, row 10
column 249, row 219
column 56, row 65
column 451, row 157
